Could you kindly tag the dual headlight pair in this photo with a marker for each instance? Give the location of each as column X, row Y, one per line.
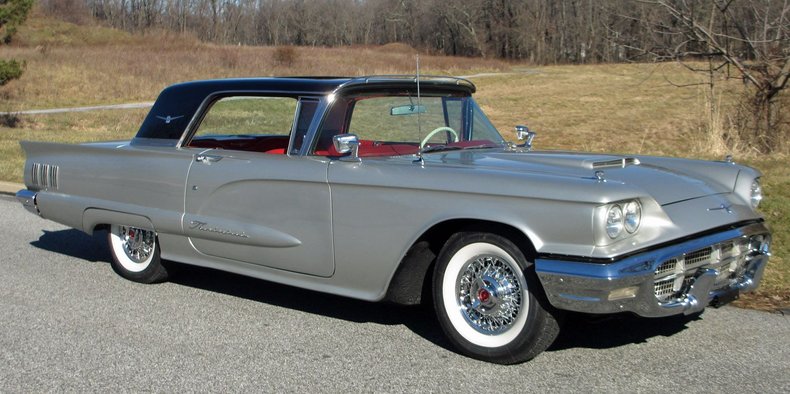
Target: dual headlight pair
column 624, row 216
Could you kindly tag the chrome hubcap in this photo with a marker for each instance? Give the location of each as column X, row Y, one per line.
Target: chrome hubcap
column 489, row 294
column 138, row 244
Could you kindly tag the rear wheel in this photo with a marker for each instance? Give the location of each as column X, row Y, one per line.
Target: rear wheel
column 488, row 301
column 135, row 254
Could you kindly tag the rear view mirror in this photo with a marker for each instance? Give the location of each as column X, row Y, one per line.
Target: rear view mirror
column 407, row 110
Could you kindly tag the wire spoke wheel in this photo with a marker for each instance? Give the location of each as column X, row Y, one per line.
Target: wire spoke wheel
column 489, row 294
column 138, row 244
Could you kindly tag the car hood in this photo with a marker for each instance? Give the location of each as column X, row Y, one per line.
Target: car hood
column 667, row 180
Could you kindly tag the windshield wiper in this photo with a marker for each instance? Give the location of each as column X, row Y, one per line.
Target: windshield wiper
column 439, row 148
column 481, row 146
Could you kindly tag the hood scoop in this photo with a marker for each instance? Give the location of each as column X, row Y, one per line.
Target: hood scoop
column 617, row 163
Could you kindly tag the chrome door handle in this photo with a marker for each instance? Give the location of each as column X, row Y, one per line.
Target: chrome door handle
column 207, row 159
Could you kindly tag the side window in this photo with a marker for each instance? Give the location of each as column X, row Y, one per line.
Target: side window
column 250, row 123
column 249, row 116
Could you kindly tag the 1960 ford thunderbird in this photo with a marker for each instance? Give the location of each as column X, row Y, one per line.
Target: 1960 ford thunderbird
column 399, row 188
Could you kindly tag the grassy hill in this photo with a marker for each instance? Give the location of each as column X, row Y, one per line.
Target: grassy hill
column 623, row 108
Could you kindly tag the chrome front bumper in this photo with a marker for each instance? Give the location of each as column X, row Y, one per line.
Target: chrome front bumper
column 638, row 282
column 28, row 200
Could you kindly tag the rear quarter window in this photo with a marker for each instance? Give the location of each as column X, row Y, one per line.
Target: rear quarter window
column 249, row 116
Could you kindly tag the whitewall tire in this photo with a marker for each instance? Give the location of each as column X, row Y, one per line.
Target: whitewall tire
column 488, row 301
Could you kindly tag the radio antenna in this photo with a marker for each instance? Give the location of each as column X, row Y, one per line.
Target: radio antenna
column 419, row 107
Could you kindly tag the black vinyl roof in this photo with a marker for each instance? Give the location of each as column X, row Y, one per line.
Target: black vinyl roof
column 177, row 104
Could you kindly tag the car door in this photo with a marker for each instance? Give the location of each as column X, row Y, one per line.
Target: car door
column 243, row 204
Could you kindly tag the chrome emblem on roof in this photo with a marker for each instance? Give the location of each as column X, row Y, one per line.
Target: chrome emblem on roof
column 169, row 118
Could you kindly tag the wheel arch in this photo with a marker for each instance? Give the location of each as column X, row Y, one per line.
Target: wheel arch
column 411, row 280
column 97, row 218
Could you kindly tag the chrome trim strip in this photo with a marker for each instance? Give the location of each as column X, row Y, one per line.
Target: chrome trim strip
column 28, row 200
column 44, row 176
column 617, row 163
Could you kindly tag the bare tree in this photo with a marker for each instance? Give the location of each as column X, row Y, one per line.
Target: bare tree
column 742, row 39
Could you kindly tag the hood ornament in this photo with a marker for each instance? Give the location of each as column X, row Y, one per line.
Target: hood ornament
column 723, row 207
column 169, row 118
column 600, row 176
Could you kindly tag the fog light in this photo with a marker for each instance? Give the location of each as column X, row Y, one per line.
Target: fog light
column 625, row 292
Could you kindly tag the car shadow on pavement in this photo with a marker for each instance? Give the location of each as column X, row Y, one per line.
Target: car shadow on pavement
column 76, row 244
column 579, row 330
column 610, row 331
column 417, row 318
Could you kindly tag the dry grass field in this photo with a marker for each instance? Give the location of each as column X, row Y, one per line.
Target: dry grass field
column 623, row 108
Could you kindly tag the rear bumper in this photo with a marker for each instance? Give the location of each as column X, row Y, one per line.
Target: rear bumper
column 28, row 200
column 682, row 278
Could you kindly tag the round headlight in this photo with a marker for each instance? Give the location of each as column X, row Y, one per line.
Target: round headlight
column 633, row 216
column 614, row 221
column 757, row 193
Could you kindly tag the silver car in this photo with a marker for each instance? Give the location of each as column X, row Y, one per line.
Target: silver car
column 399, row 188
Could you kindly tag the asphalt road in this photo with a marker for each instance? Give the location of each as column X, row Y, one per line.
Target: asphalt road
column 68, row 323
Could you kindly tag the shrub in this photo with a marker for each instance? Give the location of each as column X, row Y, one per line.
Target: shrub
column 9, row 70
column 284, row 56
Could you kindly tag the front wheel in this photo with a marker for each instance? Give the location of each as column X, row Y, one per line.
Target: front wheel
column 135, row 254
column 488, row 301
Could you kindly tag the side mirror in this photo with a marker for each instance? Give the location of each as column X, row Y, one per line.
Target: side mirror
column 347, row 143
column 523, row 133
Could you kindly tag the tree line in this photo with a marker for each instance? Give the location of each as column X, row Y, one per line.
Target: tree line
column 542, row 31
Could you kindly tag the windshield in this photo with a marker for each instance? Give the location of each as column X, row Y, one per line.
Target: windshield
column 403, row 125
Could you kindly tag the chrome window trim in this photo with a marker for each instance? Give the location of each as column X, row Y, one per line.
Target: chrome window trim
column 205, row 105
column 294, row 126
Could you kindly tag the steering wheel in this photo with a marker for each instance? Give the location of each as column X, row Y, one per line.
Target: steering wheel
column 436, row 130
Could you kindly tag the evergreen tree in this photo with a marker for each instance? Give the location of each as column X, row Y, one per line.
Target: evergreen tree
column 12, row 14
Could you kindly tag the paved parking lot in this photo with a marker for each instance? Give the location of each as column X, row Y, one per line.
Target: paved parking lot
column 68, row 323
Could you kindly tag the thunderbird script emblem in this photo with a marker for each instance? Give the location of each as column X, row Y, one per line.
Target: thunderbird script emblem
column 169, row 118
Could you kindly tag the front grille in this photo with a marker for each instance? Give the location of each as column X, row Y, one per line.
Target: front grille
column 674, row 277
column 45, row 176
column 666, row 267
column 665, row 288
column 699, row 257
